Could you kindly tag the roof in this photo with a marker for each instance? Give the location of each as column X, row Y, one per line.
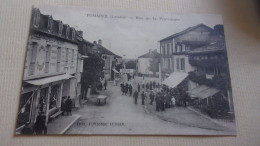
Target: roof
column 104, row 50
column 186, row 30
column 217, row 46
column 150, row 55
column 174, row 79
column 203, row 91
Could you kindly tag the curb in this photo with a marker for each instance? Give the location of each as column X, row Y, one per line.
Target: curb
column 204, row 116
column 64, row 130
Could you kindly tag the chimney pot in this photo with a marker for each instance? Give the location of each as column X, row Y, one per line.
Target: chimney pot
column 100, row 42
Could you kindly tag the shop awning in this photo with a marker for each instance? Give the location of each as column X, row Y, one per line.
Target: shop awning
column 196, row 90
column 115, row 70
column 47, row 80
column 203, row 91
column 174, row 79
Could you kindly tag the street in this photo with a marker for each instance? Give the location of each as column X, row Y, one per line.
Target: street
column 121, row 116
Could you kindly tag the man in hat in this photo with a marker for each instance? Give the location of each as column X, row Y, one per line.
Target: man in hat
column 68, row 106
column 27, row 129
column 136, row 96
column 40, row 124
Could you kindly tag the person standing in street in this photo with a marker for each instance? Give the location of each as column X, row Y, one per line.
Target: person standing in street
column 63, row 105
column 130, row 89
column 68, row 106
column 136, row 96
column 40, row 124
column 105, row 84
column 126, row 88
column 122, row 88
column 157, row 100
column 143, row 97
column 151, row 98
column 147, row 86
column 138, row 87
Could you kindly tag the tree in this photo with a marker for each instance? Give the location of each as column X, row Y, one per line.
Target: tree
column 92, row 71
column 131, row 64
column 154, row 64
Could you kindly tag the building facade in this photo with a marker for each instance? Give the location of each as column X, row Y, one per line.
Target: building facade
column 109, row 58
column 173, row 49
column 50, row 71
column 147, row 63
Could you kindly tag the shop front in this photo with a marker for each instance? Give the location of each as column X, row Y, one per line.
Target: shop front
column 38, row 95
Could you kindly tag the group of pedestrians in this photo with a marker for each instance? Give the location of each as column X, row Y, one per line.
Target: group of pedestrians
column 66, row 105
column 164, row 100
column 126, row 88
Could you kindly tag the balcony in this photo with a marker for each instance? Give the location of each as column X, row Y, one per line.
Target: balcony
column 218, row 81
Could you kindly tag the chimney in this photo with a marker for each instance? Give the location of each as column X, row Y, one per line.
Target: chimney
column 150, row 51
column 95, row 42
column 80, row 33
column 100, row 42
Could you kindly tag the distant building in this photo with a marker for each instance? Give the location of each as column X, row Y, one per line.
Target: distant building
column 145, row 61
column 50, row 70
column 211, row 68
column 109, row 57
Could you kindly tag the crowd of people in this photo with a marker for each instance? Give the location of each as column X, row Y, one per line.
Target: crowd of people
column 150, row 93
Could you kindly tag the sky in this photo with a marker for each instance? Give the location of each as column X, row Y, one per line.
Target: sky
column 126, row 35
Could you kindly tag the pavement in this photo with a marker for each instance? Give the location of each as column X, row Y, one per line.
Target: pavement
column 61, row 124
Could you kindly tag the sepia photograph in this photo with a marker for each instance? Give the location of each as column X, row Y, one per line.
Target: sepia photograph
column 115, row 72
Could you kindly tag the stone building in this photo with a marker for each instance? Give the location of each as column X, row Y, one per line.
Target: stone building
column 144, row 63
column 110, row 58
column 173, row 49
column 50, row 71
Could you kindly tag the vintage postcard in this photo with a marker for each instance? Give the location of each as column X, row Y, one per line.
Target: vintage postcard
column 114, row 72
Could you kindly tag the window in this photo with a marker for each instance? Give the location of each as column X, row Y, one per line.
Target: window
column 178, row 63
column 163, row 50
column 58, row 59
column 72, row 57
column 36, row 18
column 168, row 48
column 173, row 64
column 54, row 96
column 67, row 56
column 171, row 48
column 169, row 63
column 183, row 64
column 73, row 34
column 183, row 47
column 67, row 31
column 49, row 23
column 60, row 27
column 47, row 61
column 178, row 48
column 33, row 58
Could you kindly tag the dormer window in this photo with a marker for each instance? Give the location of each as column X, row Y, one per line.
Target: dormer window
column 67, row 31
column 50, row 20
column 73, row 34
column 36, row 18
column 60, row 27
